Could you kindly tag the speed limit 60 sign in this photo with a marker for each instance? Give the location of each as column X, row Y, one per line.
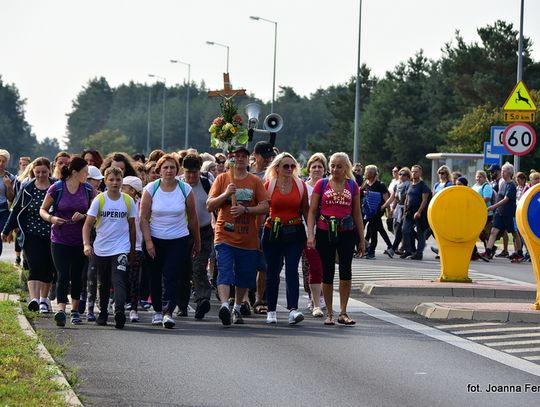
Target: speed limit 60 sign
column 519, row 138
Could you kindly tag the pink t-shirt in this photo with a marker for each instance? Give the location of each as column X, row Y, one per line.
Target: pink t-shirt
column 332, row 203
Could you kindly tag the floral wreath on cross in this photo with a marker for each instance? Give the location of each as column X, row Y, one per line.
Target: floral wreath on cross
column 227, row 130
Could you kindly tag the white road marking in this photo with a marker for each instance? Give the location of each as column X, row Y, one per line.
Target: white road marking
column 465, row 344
column 520, row 350
column 507, row 336
column 472, row 325
column 532, row 357
column 512, row 343
column 480, row 331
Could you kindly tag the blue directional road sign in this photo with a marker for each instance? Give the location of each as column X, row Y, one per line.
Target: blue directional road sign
column 497, row 145
column 533, row 215
column 489, row 157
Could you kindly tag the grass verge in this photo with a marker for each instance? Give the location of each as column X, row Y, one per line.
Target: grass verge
column 9, row 279
column 25, row 378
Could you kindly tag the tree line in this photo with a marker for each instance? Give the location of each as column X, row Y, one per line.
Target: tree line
column 419, row 107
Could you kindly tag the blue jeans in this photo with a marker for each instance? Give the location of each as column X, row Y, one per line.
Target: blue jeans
column 407, row 229
column 275, row 253
column 4, row 215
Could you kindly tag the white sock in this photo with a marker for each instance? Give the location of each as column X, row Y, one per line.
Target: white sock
column 43, row 299
column 237, row 307
column 225, row 304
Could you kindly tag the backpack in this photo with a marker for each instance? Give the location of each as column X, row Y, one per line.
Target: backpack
column 206, row 184
column 101, row 203
column 371, row 204
column 350, row 182
column 181, row 185
column 59, row 190
column 493, row 199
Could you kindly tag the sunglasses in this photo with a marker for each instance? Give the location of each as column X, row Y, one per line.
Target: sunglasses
column 288, row 166
column 402, row 173
column 442, row 172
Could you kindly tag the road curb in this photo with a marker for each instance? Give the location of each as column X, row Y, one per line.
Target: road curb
column 514, row 312
column 70, row 396
column 428, row 289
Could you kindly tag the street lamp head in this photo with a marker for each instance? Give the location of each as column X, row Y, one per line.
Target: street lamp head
column 254, row 18
column 174, row 61
column 210, row 42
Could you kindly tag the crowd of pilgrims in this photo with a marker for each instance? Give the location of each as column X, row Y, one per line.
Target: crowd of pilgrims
column 120, row 234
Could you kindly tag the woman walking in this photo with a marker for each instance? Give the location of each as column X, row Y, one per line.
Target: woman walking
column 284, row 234
column 65, row 206
column 335, row 210
column 168, row 216
column 34, row 236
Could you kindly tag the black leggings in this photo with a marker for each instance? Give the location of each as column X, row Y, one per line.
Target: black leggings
column 38, row 253
column 344, row 244
column 70, row 263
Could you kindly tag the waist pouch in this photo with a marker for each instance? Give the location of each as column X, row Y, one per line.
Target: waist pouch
column 344, row 224
column 286, row 233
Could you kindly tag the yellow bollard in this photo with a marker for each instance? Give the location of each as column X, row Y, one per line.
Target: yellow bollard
column 528, row 222
column 456, row 216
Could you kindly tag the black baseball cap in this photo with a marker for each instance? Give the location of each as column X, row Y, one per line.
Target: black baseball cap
column 265, row 149
column 494, row 167
column 241, row 148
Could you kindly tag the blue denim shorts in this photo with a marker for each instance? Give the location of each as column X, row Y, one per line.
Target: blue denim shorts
column 236, row 266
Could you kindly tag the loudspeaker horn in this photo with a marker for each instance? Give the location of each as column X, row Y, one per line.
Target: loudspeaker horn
column 253, row 110
column 273, row 123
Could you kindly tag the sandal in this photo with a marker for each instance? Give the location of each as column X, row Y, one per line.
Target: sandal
column 329, row 320
column 260, row 308
column 345, row 319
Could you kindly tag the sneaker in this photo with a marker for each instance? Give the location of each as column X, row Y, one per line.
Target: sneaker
column 33, row 305
column 203, row 307
column 82, row 306
column 310, row 306
column 434, row 249
column 517, row 259
column 18, row 261
column 168, row 322
column 119, row 319
column 370, row 256
column 237, row 318
column 60, row 318
column 133, row 316
column 317, row 312
column 405, row 255
column 52, row 292
column 90, row 316
column 75, row 318
column 43, row 308
column 245, row 309
column 271, row 317
column 502, row 254
column 295, row 317
column 110, row 308
column 514, row 255
column 416, row 256
column 390, row 252
column 182, row 312
column 157, row 318
column 102, row 318
column 225, row 315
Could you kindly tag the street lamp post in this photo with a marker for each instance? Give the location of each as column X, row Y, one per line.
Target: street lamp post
column 356, row 142
column 175, row 61
column 275, row 48
column 163, row 108
column 148, row 122
column 224, row 46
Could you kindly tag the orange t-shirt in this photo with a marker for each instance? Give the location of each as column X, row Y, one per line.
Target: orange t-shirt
column 241, row 232
column 288, row 207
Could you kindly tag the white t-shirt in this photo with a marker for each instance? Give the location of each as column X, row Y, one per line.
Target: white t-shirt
column 112, row 231
column 168, row 212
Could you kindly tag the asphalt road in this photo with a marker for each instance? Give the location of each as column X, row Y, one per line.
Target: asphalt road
column 382, row 361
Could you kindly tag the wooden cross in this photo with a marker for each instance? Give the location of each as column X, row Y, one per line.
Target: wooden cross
column 227, row 92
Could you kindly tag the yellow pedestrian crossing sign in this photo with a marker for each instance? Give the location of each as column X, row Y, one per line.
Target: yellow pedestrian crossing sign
column 520, row 99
